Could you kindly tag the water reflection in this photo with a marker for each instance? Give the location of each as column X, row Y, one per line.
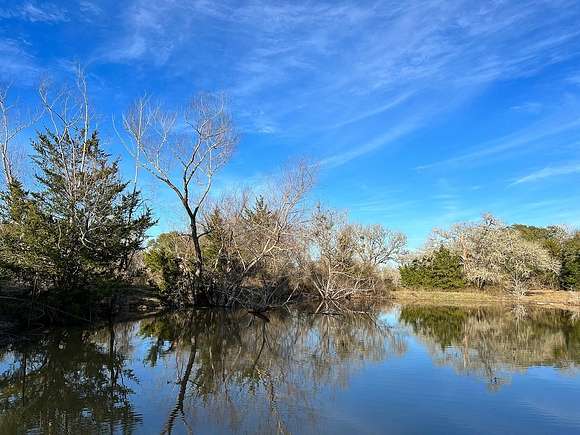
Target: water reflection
column 234, row 365
column 495, row 342
column 216, row 371
column 69, row 382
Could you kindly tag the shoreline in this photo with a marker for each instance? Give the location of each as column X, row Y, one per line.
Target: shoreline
column 542, row 298
column 138, row 305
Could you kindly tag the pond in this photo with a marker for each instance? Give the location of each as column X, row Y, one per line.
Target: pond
column 395, row 369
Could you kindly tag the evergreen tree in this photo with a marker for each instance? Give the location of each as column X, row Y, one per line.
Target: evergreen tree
column 442, row 269
column 81, row 223
column 26, row 238
column 170, row 260
column 561, row 246
column 93, row 217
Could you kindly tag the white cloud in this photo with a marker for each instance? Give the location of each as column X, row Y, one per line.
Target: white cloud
column 358, row 150
column 360, row 46
column 533, row 107
column 549, row 172
column 17, row 63
column 90, row 8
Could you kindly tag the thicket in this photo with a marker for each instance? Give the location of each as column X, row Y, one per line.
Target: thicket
column 562, row 245
column 570, row 271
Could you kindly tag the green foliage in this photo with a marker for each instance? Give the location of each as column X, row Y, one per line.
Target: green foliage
column 170, row 261
column 570, row 272
column 221, row 265
column 444, row 324
column 79, row 227
column 258, row 213
column 442, row 269
column 562, row 247
column 551, row 237
column 26, row 238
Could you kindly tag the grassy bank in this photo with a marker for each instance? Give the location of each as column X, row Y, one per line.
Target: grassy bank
column 549, row 298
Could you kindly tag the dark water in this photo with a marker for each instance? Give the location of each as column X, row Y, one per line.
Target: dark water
column 403, row 369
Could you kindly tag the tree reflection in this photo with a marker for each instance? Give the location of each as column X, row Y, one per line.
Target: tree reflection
column 68, row 382
column 242, row 373
column 253, row 375
column 494, row 342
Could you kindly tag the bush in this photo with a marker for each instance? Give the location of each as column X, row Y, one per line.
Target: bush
column 170, row 263
column 439, row 269
column 570, row 272
column 552, row 239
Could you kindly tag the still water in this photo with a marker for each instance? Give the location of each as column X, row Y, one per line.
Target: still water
column 399, row 369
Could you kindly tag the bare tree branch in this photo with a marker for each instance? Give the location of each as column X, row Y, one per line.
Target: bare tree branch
column 184, row 150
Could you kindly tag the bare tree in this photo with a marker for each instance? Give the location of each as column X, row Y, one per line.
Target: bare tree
column 258, row 238
column 184, row 150
column 345, row 258
column 333, row 271
column 12, row 123
column 377, row 245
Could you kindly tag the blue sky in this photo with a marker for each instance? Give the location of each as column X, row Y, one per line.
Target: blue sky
column 419, row 113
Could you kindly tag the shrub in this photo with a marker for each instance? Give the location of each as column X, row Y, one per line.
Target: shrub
column 552, row 239
column 170, row 263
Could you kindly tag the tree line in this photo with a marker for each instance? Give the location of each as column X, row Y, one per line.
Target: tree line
column 490, row 253
column 77, row 232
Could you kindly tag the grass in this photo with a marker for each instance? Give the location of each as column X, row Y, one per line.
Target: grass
column 541, row 297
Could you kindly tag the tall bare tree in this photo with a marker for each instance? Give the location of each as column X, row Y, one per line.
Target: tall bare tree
column 184, row 150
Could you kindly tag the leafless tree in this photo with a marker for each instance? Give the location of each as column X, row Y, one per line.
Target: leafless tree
column 12, row 123
column 345, row 258
column 333, row 271
column 184, row 150
column 258, row 237
column 377, row 245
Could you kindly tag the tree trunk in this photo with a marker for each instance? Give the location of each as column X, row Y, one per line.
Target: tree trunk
column 198, row 260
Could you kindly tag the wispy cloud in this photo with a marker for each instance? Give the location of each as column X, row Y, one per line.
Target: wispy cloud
column 362, row 115
column 381, row 141
column 17, row 62
column 36, row 12
column 532, row 135
column 331, row 65
column 532, row 107
column 88, row 7
column 549, row 172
